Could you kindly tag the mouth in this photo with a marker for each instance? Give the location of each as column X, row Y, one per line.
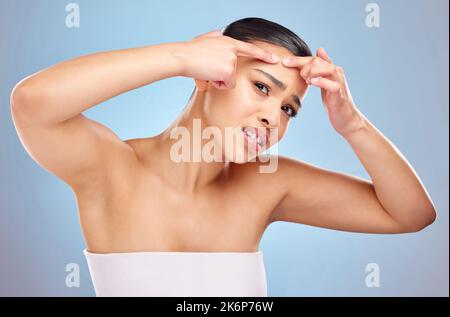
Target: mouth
column 255, row 137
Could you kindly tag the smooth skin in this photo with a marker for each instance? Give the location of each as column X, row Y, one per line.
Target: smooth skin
column 132, row 197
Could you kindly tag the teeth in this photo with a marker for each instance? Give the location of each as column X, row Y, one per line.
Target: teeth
column 252, row 136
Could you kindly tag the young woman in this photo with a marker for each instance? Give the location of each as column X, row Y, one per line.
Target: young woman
column 156, row 226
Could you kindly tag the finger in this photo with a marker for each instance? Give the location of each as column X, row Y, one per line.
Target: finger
column 201, row 84
column 219, row 84
column 230, row 83
column 296, row 61
column 216, row 32
column 224, row 84
column 319, row 71
column 323, row 54
column 340, row 73
column 326, row 84
column 209, row 34
column 252, row 50
column 230, row 80
column 216, row 83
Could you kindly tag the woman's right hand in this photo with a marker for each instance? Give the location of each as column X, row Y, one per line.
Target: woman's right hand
column 213, row 57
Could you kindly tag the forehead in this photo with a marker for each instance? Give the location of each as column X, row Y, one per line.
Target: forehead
column 289, row 76
column 278, row 50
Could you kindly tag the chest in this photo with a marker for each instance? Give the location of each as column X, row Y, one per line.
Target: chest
column 218, row 217
column 148, row 215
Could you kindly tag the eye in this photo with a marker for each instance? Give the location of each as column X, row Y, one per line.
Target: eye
column 288, row 109
column 259, row 85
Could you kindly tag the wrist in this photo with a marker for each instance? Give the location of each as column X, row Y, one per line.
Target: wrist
column 359, row 126
column 178, row 52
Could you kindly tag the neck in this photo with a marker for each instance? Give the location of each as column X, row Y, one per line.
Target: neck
column 193, row 175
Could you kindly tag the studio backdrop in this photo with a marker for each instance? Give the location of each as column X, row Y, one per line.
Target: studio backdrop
column 395, row 55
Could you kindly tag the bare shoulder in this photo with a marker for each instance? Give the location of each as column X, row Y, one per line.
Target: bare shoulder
column 273, row 168
column 275, row 176
column 141, row 147
column 267, row 181
column 119, row 176
column 300, row 176
column 137, row 144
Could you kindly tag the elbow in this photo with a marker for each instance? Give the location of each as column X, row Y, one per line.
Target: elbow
column 427, row 218
column 18, row 99
column 17, row 95
column 430, row 219
column 24, row 99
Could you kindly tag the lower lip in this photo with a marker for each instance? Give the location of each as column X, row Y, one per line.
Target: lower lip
column 252, row 143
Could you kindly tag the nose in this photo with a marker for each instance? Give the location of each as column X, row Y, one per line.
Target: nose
column 269, row 119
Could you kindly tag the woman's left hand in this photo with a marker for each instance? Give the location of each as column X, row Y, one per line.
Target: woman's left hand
column 320, row 71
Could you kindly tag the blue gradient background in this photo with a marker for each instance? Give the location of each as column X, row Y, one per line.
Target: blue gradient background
column 398, row 76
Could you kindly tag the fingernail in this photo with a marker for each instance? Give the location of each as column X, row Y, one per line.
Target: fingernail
column 314, row 80
column 287, row 60
column 275, row 58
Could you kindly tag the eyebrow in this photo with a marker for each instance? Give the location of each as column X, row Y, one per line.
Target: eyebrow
column 280, row 85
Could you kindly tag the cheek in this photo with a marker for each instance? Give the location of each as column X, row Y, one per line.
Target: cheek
column 281, row 133
column 233, row 107
column 241, row 102
column 278, row 135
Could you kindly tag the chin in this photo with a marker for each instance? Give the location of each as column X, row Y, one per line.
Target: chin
column 240, row 155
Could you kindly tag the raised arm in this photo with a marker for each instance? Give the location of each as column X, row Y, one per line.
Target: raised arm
column 395, row 201
column 47, row 106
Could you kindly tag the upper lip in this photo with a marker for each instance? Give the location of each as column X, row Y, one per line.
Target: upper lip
column 260, row 132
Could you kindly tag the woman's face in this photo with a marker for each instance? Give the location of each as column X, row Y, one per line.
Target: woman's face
column 256, row 101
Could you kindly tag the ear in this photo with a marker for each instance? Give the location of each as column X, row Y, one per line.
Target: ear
column 202, row 85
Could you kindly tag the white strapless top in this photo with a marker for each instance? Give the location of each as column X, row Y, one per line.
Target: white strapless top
column 177, row 274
